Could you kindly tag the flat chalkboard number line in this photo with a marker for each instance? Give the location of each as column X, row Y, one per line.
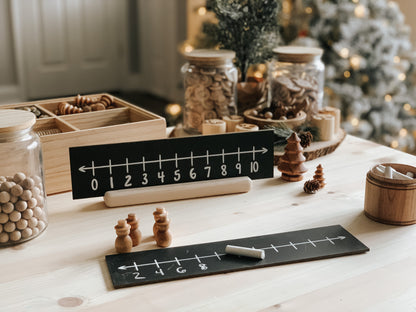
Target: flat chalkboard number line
column 159, row 265
column 218, row 255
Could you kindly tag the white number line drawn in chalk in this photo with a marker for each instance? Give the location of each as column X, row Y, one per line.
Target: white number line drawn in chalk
column 219, row 255
column 160, row 160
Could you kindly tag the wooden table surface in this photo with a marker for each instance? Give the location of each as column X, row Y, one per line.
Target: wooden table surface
column 64, row 269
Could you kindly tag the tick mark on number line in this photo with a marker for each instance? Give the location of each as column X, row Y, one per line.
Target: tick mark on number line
column 127, row 165
column 254, row 152
column 157, row 264
column 176, row 160
column 135, row 266
column 219, row 258
column 293, row 245
column 109, row 166
column 207, row 157
column 160, row 162
column 144, row 163
column 192, row 158
column 312, row 243
column 330, row 240
column 238, row 154
column 275, row 249
column 196, row 257
column 222, row 156
column 93, row 168
column 177, row 261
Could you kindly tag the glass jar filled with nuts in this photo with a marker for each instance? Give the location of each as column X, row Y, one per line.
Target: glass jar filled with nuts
column 296, row 77
column 210, row 80
column 23, row 214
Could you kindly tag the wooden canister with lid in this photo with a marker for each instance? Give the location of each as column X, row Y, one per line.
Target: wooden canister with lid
column 391, row 201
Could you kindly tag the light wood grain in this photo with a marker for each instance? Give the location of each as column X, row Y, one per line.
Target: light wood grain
column 65, row 265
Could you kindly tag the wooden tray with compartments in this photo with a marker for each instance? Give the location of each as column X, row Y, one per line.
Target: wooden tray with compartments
column 123, row 123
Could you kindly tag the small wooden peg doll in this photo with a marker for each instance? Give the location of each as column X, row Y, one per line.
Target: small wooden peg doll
column 123, row 242
column 135, row 233
column 163, row 236
column 156, row 214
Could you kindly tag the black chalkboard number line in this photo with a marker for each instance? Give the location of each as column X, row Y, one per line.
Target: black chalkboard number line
column 219, row 255
column 161, row 160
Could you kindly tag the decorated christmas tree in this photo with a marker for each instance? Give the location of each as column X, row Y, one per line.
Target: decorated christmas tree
column 370, row 69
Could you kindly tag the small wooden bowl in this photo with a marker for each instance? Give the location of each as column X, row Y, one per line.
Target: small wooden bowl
column 391, row 201
column 262, row 122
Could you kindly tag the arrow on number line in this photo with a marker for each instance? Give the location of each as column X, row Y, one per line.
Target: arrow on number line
column 84, row 168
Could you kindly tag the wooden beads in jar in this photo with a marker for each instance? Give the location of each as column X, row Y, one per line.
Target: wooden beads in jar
column 23, row 211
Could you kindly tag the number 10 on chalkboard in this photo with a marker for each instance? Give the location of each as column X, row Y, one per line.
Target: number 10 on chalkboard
column 100, row 168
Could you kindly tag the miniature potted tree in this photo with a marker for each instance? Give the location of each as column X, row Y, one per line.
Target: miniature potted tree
column 250, row 28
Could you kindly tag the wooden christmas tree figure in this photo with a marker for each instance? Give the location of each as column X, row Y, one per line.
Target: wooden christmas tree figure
column 135, row 233
column 291, row 163
column 123, row 241
column 156, row 214
column 163, row 236
column 319, row 176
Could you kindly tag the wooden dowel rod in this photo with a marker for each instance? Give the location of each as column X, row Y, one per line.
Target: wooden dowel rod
column 162, row 193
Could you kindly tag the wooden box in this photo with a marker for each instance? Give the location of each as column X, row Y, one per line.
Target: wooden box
column 124, row 123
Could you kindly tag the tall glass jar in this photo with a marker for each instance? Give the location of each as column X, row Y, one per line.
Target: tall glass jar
column 210, row 80
column 23, row 213
column 296, row 76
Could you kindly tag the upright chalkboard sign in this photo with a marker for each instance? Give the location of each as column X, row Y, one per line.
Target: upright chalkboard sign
column 100, row 168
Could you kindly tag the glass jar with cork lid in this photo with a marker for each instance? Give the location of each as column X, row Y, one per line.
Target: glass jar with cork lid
column 296, row 76
column 23, row 213
column 210, row 80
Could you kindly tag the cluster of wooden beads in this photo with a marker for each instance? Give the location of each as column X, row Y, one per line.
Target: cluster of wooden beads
column 85, row 104
column 22, row 213
column 36, row 111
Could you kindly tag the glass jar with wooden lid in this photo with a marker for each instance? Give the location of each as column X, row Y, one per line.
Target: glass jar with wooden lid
column 210, row 80
column 296, row 77
column 23, row 213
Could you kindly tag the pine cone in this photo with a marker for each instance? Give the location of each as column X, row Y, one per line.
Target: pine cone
column 306, row 138
column 311, row 186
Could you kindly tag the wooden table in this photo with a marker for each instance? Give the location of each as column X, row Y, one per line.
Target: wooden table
column 65, row 266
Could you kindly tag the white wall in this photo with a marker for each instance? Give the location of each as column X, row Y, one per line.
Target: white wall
column 7, row 70
column 8, row 77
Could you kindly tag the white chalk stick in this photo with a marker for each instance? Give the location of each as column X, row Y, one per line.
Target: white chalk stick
column 162, row 193
column 410, row 174
column 244, row 251
column 395, row 174
column 388, row 172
